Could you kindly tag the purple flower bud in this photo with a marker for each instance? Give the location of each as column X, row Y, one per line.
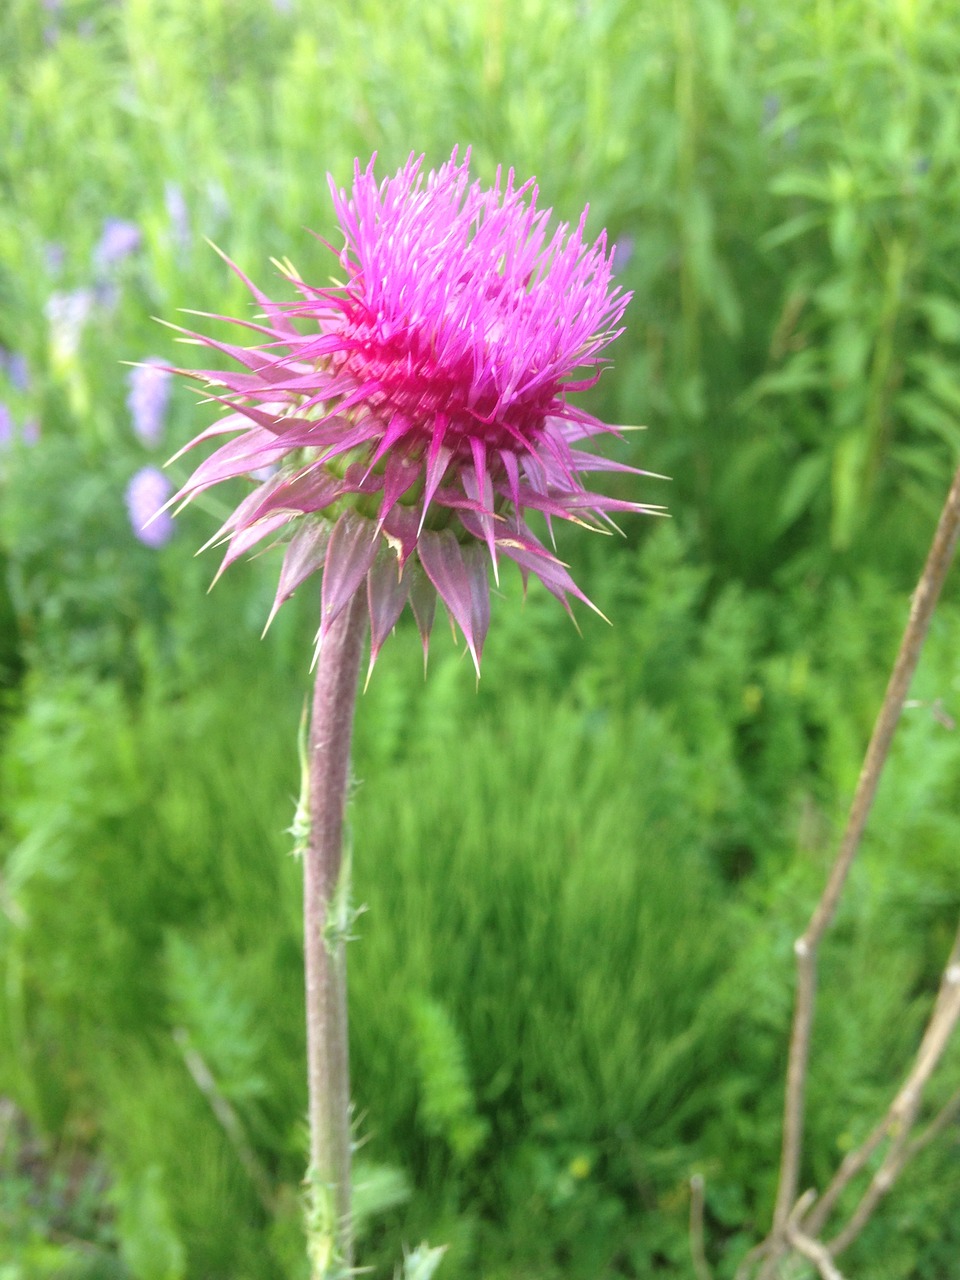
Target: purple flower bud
column 146, row 494
column 148, row 399
column 6, row 426
column 118, row 240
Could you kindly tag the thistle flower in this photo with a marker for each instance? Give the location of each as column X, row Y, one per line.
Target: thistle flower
column 418, row 411
column 146, row 497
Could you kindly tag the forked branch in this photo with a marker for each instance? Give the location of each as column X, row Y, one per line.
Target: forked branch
column 806, row 947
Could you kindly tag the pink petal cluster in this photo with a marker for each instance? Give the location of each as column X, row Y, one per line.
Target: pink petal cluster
column 411, row 417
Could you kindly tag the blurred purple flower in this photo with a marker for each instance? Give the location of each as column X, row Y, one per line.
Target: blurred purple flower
column 54, row 256
column 148, row 400
column 27, row 434
column 18, row 371
column 218, row 203
column 177, row 212
column 118, row 240
column 51, row 32
column 14, row 365
column 146, row 494
column 67, row 313
column 106, row 295
column 622, row 253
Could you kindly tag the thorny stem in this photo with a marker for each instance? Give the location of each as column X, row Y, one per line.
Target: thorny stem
column 923, row 603
column 326, row 924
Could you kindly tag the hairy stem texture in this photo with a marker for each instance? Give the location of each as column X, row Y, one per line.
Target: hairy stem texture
column 326, row 923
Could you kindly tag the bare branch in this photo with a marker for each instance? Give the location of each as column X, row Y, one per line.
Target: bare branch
column 905, row 1107
column 945, row 1117
column 788, row 1210
column 924, row 601
column 900, row 1117
column 818, row 1253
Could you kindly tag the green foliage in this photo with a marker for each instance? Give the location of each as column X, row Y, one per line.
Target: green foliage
column 53, row 1219
column 422, row 1262
column 447, row 1108
column 149, row 1244
column 572, row 989
column 206, row 997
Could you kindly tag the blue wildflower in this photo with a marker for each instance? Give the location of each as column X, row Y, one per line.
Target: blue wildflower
column 146, row 495
column 118, row 240
column 148, row 399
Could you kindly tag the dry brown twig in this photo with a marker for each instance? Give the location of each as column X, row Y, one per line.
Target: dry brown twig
column 787, row 1234
column 899, row 1120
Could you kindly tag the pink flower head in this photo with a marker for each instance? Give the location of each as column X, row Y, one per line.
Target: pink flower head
column 417, row 412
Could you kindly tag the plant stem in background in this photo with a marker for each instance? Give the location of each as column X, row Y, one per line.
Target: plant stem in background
column 924, row 601
column 326, row 921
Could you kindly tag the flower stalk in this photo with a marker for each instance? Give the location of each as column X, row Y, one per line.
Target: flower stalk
column 327, row 920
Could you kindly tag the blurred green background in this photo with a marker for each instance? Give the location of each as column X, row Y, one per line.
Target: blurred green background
column 573, row 984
